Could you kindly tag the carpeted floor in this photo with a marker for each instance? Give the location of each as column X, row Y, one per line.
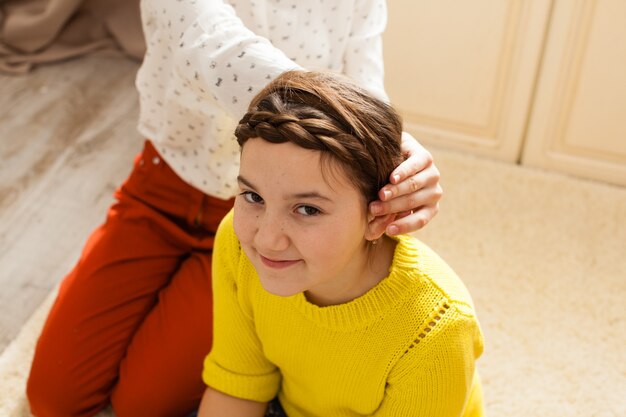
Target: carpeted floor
column 545, row 258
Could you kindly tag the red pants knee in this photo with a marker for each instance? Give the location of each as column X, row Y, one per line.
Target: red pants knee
column 135, row 315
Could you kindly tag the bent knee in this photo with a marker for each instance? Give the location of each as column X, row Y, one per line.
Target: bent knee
column 157, row 398
column 51, row 397
column 132, row 403
column 47, row 402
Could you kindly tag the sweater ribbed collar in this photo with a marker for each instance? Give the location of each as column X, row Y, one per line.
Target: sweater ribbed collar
column 402, row 281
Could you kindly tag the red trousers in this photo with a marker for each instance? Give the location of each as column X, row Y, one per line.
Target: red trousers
column 133, row 320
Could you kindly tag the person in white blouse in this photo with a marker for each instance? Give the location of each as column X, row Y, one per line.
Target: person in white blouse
column 133, row 319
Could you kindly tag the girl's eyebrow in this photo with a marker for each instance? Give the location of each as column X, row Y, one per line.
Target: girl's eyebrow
column 311, row 194
column 245, row 182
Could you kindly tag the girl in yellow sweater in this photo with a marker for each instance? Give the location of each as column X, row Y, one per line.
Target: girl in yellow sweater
column 316, row 310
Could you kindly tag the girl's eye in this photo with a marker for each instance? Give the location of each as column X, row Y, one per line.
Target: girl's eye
column 251, row 197
column 308, row 210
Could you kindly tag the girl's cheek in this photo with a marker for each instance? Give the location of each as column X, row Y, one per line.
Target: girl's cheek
column 245, row 225
column 239, row 223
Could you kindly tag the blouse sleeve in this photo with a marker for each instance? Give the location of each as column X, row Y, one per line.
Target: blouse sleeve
column 436, row 376
column 236, row 365
column 213, row 51
column 363, row 59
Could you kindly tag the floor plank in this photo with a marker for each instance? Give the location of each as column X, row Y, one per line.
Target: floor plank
column 67, row 139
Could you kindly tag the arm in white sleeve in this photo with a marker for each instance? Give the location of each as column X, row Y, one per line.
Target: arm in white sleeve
column 363, row 59
column 214, row 53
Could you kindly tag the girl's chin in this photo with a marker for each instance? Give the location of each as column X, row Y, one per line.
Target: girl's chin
column 279, row 290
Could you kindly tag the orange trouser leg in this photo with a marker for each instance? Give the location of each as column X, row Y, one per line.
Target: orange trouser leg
column 134, row 316
column 153, row 367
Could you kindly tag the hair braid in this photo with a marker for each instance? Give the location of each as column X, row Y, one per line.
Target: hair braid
column 323, row 112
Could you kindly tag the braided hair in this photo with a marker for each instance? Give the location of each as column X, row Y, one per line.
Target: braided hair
column 328, row 113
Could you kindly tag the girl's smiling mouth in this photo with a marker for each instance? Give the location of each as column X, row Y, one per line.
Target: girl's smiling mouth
column 277, row 264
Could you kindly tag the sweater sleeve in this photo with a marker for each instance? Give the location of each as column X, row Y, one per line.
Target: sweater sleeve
column 437, row 375
column 236, row 364
column 363, row 59
column 213, row 51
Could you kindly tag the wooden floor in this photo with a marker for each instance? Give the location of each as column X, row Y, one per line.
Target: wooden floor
column 67, row 140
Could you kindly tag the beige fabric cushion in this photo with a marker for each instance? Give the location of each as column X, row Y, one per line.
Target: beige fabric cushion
column 35, row 32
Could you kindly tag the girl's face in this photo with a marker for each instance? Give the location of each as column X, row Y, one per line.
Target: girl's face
column 302, row 230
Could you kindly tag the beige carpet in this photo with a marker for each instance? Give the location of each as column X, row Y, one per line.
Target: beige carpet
column 545, row 258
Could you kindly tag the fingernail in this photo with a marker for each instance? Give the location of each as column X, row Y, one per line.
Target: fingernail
column 393, row 230
column 396, row 178
column 387, row 194
column 376, row 208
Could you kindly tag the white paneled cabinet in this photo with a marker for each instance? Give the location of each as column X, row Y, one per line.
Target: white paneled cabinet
column 537, row 81
column 578, row 119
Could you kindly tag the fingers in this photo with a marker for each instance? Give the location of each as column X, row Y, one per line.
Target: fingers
column 414, row 210
column 418, row 159
column 429, row 177
column 408, row 203
column 414, row 192
column 414, row 221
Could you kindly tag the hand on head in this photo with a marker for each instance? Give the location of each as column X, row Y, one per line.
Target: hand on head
column 413, row 193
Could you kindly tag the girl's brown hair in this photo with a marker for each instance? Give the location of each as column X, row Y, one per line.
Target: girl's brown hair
column 328, row 113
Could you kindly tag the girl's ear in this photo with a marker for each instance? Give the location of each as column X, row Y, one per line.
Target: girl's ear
column 376, row 226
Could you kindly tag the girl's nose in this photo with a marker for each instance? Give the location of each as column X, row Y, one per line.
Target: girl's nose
column 271, row 235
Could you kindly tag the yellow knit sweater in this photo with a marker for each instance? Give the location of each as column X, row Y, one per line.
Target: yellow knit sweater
column 405, row 348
